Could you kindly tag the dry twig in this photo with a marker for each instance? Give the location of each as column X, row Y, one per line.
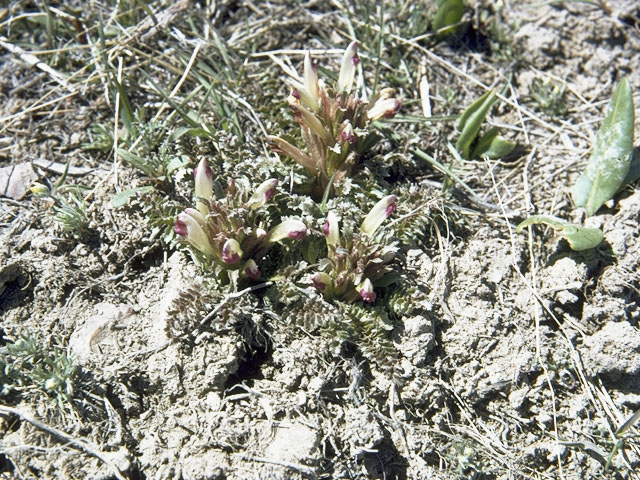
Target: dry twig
column 108, row 458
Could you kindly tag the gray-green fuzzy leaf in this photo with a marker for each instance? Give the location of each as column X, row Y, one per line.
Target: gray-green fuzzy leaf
column 578, row 237
column 471, row 121
column 611, row 157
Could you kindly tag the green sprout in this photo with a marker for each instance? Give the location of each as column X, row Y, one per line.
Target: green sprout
column 549, row 96
column 100, row 138
column 334, row 122
column 470, row 143
column 620, row 438
column 230, row 233
column 69, row 204
column 26, row 366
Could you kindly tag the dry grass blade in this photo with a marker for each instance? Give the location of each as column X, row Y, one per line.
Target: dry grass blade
column 36, row 62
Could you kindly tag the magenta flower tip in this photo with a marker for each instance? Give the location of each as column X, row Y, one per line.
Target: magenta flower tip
column 268, row 195
column 397, row 105
column 297, row 234
column 180, row 228
column 251, row 270
column 368, row 296
column 230, row 258
column 390, row 210
column 231, row 252
column 366, row 291
column 206, row 170
column 321, row 281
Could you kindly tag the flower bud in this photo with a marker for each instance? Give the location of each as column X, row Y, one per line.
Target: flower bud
column 348, row 68
column 331, row 229
column 321, row 281
column 384, row 108
column 40, row 190
column 189, row 225
column 378, row 214
column 294, row 229
column 251, row 270
column 387, row 92
column 341, row 279
column 231, row 251
column 282, row 146
column 204, row 185
column 347, row 134
column 263, row 193
column 365, row 289
column 50, row 384
column 197, row 215
column 301, row 96
column 311, row 76
column 309, row 120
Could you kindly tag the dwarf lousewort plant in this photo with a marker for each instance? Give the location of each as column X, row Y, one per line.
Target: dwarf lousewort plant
column 334, row 121
column 231, row 232
column 358, row 260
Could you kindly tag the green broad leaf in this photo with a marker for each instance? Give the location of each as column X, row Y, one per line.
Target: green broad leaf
column 137, row 162
column 634, row 168
column 368, row 142
column 449, row 13
column 176, row 163
column 579, row 237
column 611, row 158
column 388, row 279
column 178, row 133
column 492, row 146
column 471, row 121
column 122, row 198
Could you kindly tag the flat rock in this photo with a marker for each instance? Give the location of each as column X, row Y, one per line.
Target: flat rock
column 15, row 180
column 293, row 443
column 613, row 352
